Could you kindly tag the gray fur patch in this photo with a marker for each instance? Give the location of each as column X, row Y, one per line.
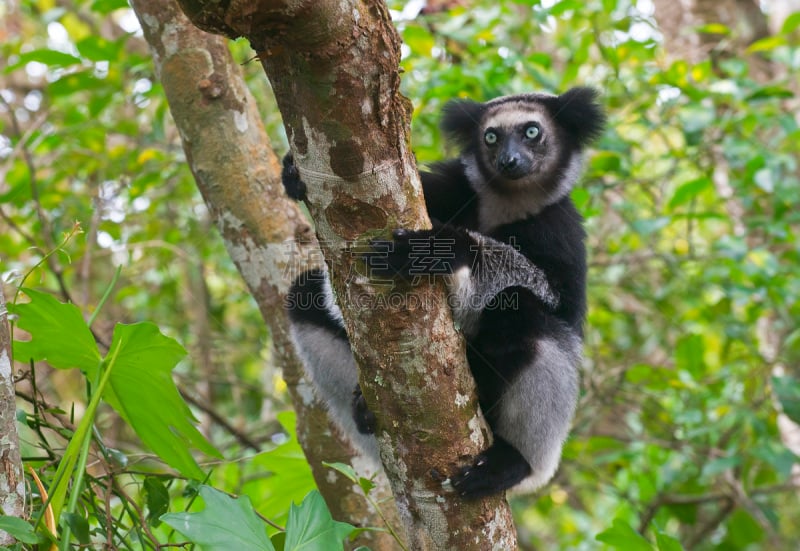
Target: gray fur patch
column 536, row 411
column 330, row 365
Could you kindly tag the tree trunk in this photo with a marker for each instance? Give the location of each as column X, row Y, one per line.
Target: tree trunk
column 333, row 66
column 12, row 483
column 238, row 175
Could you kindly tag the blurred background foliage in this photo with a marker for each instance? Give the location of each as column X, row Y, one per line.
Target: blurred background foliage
column 686, row 432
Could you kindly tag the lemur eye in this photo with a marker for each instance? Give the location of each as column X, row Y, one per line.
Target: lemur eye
column 532, row 131
column 490, row 137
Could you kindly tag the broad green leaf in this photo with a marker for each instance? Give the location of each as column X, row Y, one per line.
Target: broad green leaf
column 144, row 394
column 688, row 190
column 226, row 523
column 311, row 527
column 59, row 334
column 18, row 528
column 788, row 391
column 622, row 536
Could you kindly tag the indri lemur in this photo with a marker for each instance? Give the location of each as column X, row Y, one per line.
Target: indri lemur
column 510, row 242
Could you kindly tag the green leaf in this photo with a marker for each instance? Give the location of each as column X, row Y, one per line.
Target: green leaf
column 311, row 527
column 766, row 44
column 719, row 465
column 157, row 499
column 788, row 391
column 688, row 190
column 647, row 226
column 346, row 470
column 622, row 536
column 79, row 527
column 689, row 355
column 104, row 7
column 95, row 48
column 768, row 92
column 665, row 542
column 225, row 523
column 18, row 528
column 366, row 484
column 791, row 23
column 51, row 58
column 70, row 460
column 605, row 161
column 59, row 334
column 714, row 28
column 293, row 481
column 742, row 530
column 144, row 394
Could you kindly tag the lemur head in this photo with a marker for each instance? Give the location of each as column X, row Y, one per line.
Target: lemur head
column 527, row 144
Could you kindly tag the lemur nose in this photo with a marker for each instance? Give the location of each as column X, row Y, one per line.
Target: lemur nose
column 507, row 162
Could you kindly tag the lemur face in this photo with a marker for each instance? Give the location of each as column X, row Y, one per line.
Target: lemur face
column 519, row 144
column 526, row 143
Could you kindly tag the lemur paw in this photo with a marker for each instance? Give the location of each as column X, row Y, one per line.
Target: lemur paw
column 413, row 253
column 364, row 418
column 295, row 187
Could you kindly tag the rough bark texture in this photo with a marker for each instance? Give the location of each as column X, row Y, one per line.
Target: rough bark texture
column 333, row 66
column 12, row 481
column 238, row 175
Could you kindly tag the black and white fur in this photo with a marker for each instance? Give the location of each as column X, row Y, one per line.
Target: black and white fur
column 509, row 241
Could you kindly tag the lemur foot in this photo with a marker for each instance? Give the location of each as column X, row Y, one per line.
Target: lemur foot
column 496, row 469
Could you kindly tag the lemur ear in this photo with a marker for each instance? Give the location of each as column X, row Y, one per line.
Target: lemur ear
column 578, row 111
column 459, row 120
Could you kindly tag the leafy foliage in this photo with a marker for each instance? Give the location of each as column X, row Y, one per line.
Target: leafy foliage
column 228, row 523
column 691, row 200
column 140, row 386
column 225, row 523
